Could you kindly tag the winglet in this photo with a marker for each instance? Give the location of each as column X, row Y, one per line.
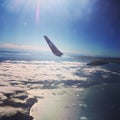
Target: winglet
column 53, row 48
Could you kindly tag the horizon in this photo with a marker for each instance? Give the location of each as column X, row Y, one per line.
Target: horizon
column 50, row 54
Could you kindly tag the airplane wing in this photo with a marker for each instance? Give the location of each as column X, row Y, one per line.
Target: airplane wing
column 53, row 48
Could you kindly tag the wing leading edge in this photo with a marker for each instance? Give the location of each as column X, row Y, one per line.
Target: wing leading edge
column 53, row 48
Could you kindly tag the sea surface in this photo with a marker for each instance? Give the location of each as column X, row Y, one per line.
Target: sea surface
column 37, row 86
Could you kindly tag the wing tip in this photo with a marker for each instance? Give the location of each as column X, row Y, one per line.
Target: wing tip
column 53, row 48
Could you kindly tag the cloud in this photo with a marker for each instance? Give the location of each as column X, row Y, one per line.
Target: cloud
column 40, row 70
column 9, row 111
column 22, row 79
column 22, row 47
column 48, row 74
column 31, row 47
column 20, row 76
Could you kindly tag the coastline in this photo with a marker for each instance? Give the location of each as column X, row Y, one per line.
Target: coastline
column 16, row 106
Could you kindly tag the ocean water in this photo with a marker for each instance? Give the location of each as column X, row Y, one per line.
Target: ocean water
column 35, row 86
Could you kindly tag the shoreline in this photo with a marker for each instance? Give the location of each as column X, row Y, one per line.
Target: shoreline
column 16, row 106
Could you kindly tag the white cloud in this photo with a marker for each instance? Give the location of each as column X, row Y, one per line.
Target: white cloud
column 15, row 74
column 22, row 47
column 39, row 70
column 8, row 111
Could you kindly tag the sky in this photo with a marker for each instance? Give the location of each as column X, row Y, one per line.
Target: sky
column 86, row 27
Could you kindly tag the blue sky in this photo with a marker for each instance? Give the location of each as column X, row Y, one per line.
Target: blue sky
column 77, row 26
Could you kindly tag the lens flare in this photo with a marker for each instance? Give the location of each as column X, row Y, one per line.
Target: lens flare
column 25, row 7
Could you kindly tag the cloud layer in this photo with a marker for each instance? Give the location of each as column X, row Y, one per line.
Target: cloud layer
column 19, row 79
column 22, row 47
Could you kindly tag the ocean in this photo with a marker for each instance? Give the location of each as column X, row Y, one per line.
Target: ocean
column 38, row 86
